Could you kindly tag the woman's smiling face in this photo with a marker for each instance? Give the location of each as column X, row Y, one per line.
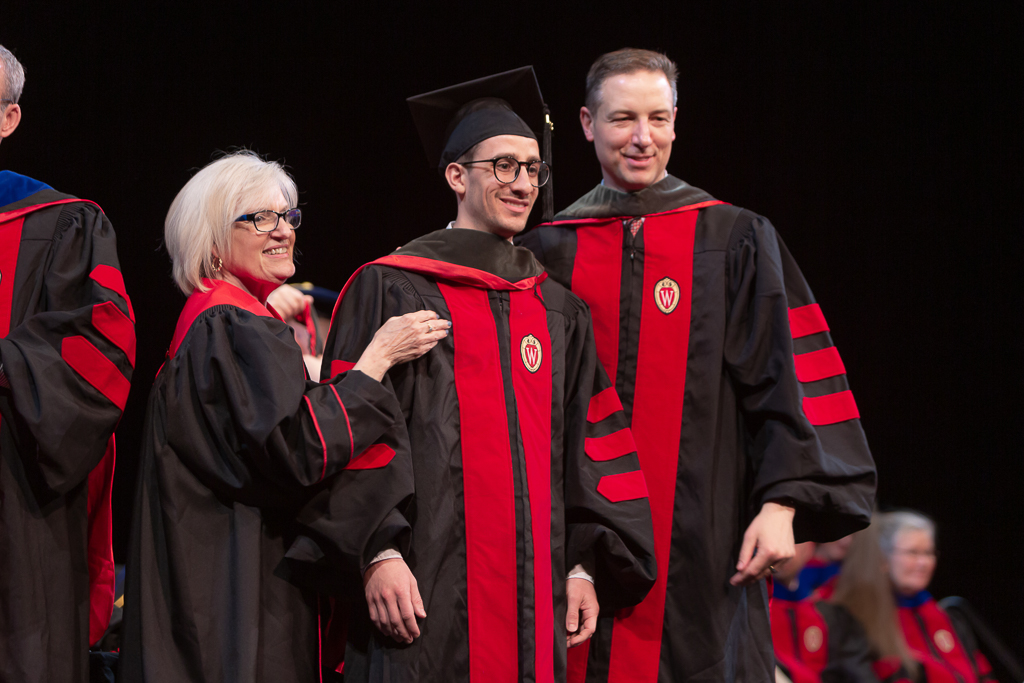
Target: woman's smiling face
column 258, row 259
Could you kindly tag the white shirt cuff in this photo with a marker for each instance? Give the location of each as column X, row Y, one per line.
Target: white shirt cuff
column 389, row 552
column 578, row 572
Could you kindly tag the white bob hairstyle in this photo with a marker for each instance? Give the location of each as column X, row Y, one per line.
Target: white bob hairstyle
column 201, row 215
column 892, row 524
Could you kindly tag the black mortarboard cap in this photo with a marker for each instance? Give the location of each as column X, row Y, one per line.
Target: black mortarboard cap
column 453, row 119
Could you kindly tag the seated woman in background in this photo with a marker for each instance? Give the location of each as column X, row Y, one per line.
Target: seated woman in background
column 863, row 588
column 815, row 641
column 242, row 456
column 947, row 652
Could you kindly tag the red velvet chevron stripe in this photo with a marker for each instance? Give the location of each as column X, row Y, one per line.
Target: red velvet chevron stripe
column 625, row 486
column 807, row 320
column 614, row 445
column 603, row 404
column 108, row 319
column 98, row 370
column 111, row 278
column 817, row 365
column 830, row 408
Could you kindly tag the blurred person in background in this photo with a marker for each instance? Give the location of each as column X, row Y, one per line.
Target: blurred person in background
column 862, row 587
column 297, row 307
column 815, row 641
column 822, row 570
column 946, row 648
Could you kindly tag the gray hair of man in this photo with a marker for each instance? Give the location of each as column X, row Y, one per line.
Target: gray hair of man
column 202, row 213
column 14, row 77
column 628, row 60
column 892, row 524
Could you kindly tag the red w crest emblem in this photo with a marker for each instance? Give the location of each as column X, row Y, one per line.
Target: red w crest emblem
column 532, row 353
column 666, row 295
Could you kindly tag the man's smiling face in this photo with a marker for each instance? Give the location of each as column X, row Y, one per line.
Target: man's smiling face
column 492, row 206
column 632, row 129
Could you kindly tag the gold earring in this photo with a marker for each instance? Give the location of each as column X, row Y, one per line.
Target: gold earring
column 217, row 264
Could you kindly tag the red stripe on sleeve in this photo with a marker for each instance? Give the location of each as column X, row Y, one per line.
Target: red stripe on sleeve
column 806, row 320
column 96, row 369
column 115, row 326
column 625, row 486
column 316, row 424
column 614, row 445
column 340, row 366
column 110, row 277
column 597, row 278
column 373, row 458
column 603, row 404
column 348, row 423
column 810, row 367
column 488, row 493
column 830, row 408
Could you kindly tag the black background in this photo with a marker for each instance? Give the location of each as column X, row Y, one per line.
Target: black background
column 883, row 142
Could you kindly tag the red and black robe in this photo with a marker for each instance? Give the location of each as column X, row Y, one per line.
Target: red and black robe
column 736, row 396
column 816, row 641
column 947, row 651
column 524, row 464
column 250, row 476
column 67, row 349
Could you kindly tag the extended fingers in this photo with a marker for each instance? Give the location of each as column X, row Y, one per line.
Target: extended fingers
column 398, row 631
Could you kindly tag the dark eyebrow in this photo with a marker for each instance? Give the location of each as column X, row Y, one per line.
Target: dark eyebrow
column 509, row 155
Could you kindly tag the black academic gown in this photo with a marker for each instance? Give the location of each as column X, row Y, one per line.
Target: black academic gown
column 243, row 459
column 67, row 348
column 523, row 463
column 698, row 319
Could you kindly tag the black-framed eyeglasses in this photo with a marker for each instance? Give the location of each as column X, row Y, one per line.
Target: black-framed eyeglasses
column 506, row 169
column 266, row 220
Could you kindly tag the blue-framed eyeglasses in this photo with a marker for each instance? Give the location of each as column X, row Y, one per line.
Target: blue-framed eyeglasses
column 266, row 220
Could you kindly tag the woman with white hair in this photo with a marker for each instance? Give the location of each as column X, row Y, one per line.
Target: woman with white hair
column 947, row 652
column 250, row 472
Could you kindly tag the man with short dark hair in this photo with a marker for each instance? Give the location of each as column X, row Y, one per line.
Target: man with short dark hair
column 529, row 505
column 67, row 349
column 698, row 311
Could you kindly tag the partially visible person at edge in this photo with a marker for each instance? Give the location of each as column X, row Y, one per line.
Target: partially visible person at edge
column 67, row 350
column 862, row 588
column 945, row 647
column 298, row 311
column 530, row 510
column 245, row 461
column 815, row 641
column 822, row 570
column 748, row 434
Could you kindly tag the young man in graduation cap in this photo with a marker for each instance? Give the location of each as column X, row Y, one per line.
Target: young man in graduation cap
column 67, row 349
column 530, row 510
column 746, row 428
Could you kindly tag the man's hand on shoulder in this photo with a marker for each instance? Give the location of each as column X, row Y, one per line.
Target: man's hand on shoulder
column 767, row 542
column 393, row 598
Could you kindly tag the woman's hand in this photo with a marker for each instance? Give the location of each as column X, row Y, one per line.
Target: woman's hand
column 402, row 339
